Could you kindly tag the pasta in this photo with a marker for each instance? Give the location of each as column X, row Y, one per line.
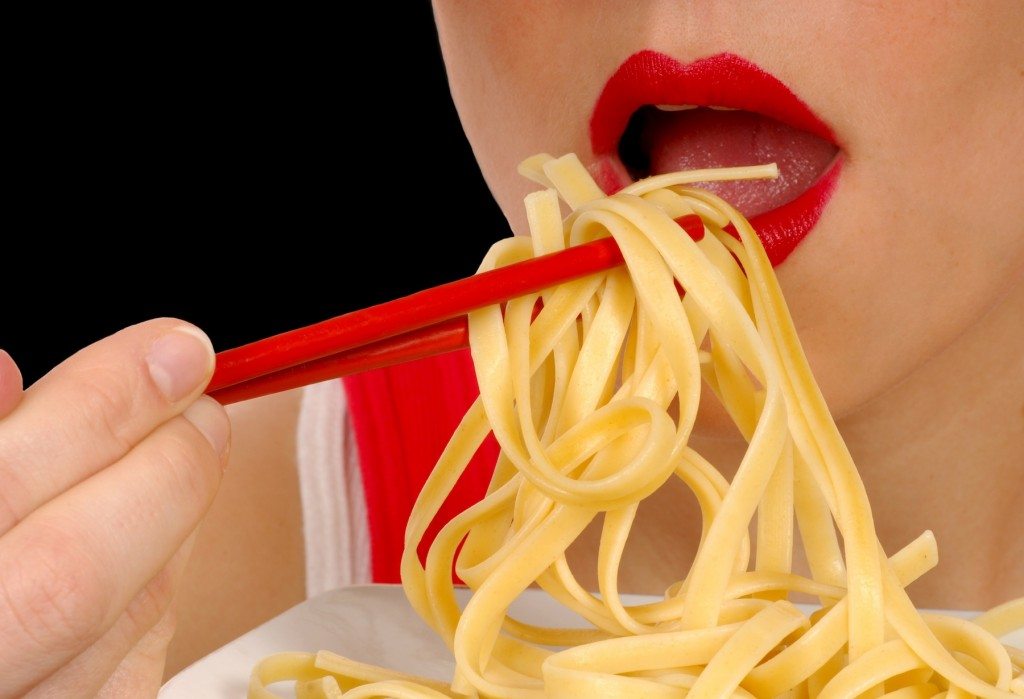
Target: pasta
column 592, row 403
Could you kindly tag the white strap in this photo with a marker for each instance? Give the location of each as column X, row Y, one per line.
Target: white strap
column 333, row 502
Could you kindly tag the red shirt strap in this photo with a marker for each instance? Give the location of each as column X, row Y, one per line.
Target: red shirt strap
column 403, row 417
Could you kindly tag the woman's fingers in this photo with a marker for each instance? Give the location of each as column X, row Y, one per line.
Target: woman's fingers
column 92, row 409
column 82, row 542
column 73, row 566
column 147, row 620
column 10, row 384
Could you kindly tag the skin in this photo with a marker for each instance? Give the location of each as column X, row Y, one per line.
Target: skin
column 108, row 465
column 887, row 283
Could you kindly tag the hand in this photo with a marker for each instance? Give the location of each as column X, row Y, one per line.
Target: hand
column 107, row 466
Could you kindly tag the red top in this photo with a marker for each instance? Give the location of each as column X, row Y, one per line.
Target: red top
column 403, row 417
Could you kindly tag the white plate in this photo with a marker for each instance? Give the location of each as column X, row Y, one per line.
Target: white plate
column 372, row 623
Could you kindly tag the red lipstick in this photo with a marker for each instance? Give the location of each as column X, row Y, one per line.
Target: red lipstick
column 728, row 81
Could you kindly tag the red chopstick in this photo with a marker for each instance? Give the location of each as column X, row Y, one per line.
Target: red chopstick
column 446, row 336
column 419, row 325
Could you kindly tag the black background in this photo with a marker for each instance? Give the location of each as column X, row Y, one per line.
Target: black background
column 206, row 168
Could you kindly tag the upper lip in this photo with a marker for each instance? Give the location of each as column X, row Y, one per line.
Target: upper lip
column 724, row 80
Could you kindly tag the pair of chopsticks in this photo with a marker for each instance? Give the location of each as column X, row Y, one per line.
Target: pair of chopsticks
column 419, row 325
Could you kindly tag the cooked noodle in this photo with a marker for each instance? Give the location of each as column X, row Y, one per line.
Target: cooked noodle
column 593, row 403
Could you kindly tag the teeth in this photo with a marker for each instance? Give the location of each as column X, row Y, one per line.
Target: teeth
column 687, row 107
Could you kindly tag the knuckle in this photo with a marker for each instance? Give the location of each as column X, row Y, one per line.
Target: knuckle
column 152, row 603
column 105, row 397
column 58, row 598
column 191, row 463
column 13, row 495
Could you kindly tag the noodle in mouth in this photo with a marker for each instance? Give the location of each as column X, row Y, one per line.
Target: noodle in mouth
column 593, row 402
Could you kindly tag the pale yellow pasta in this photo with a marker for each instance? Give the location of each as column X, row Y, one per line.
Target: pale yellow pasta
column 579, row 400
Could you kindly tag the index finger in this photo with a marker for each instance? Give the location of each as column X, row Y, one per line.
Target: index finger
column 92, row 409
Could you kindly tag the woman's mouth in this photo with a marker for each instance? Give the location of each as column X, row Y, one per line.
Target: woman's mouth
column 658, row 115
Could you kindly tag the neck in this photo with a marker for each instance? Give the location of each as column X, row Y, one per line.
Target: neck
column 944, row 450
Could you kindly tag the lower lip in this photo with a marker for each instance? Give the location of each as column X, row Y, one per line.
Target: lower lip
column 780, row 229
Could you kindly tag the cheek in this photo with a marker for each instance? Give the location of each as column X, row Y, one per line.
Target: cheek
column 926, row 231
column 524, row 76
column 891, row 278
column 505, row 131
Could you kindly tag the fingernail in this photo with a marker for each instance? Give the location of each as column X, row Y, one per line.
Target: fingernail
column 180, row 362
column 209, row 418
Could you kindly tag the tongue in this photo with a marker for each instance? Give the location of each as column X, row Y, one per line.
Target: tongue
column 702, row 138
